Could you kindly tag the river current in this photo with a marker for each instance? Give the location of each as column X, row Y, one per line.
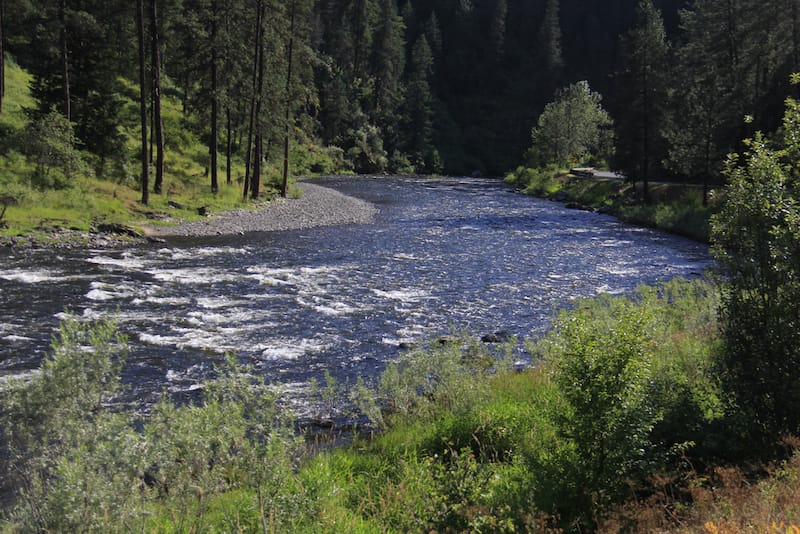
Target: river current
column 442, row 254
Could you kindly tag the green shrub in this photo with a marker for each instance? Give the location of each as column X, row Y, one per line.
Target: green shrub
column 756, row 236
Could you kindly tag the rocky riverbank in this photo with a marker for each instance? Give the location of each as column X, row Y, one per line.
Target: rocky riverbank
column 318, row 206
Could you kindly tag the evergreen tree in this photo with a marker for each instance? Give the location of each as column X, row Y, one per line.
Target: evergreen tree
column 143, row 101
column 388, row 64
column 497, row 30
column 419, row 105
column 642, row 96
column 550, row 38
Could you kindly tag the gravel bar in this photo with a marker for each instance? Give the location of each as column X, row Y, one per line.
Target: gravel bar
column 319, row 206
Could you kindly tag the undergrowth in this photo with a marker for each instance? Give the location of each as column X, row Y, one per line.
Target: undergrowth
column 675, row 208
column 614, row 426
column 97, row 192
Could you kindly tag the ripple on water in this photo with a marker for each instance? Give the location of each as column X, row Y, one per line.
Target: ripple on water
column 442, row 253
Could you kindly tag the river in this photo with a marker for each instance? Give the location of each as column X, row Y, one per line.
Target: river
column 442, row 254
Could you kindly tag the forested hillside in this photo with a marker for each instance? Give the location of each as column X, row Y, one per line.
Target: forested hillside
column 451, row 86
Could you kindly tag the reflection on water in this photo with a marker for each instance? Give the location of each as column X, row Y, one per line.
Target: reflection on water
column 461, row 253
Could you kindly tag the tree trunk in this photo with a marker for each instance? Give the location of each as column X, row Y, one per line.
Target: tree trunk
column 62, row 17
column 256, row 185
column 2, row 56
column 212, row 146
column 285, row 184
column 257, row 165
column 142, row 99
column 254, row 97
column 228, row 146
column 158, row 121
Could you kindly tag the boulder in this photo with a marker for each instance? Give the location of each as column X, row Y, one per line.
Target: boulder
column 117, row 229
column 500, row 336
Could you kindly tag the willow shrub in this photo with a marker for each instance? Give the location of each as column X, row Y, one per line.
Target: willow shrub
column 78, row 462
column 634, row 386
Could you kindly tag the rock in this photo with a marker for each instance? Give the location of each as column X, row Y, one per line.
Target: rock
column 561, row 196
column 117, row 229
column 176, row 205
column 500, row 336
column 151, row 239
column 407, row 345
column 202, row 211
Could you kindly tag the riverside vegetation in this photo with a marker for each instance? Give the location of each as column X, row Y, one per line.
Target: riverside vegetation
column 621, row 423
column 670, row 409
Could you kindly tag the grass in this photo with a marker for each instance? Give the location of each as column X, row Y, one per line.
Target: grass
column 89, row 200
column 675, row 208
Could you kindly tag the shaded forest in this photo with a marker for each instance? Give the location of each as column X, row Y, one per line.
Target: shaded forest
column 451, row 86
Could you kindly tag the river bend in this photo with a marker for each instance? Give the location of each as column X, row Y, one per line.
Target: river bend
column 447, row 253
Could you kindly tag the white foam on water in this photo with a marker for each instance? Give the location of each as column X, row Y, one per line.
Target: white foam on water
column 154, row 339
column 215, row 303
column 161, row 301
column 614, row 243
column 14, row 337
column 102, row 291
column 618, row 271
column 605, row 289
column 31, row 277
column 406, row 296
column 203, row 252
column 290, row 349
column 337, row 309
column 127, row 261
column 196, row 275
column 405, row 257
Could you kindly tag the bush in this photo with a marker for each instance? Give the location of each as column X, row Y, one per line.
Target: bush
column 51, row 144
column 757, row 244
column 80, row 463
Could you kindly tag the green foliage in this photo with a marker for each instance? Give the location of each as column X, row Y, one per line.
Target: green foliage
column 64, row 443
column 79, row 463
column 756, row 236
column 445, row 377
column 468, row 443
column 607, row 409
column 52, row 145
column 572, row 127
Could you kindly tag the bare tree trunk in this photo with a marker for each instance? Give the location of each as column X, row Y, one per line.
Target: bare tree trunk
column 2, row 54
column 62, row 17
column 142, row 99
column 212, row 147
column 229, row 146
column 256, row 55
column 158, row 121
column 285, row 184
column 256, row 185
column 257, row 165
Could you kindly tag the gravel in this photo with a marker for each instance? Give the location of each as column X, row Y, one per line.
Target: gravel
column 318, row 206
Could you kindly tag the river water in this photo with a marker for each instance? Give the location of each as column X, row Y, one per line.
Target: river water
column 454, row 253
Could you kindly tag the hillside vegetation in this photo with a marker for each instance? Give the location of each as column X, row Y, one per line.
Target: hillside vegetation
column 49, row 184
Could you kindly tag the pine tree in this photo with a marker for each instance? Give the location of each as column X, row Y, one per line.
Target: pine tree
column 550, row 38
column 497, row 31
column 419, row 105
column 387, row 65
column 642, row 95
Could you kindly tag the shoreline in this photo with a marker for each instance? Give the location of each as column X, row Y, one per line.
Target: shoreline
column 318, row 206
